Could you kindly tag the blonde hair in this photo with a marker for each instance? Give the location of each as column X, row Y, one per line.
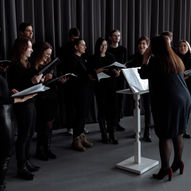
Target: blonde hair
column 187, row 43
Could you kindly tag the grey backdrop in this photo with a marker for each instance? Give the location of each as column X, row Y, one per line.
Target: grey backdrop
column 52, row 19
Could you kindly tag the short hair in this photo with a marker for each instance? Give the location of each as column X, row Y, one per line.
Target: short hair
column 114, row 30
column 76, row 42
column 167, row 33
column 23, row 26
column 144, row 38
column 74, row 32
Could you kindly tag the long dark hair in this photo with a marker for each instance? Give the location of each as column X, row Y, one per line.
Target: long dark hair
column 20, row 46
column 98, row 44
column 39, row 50
column 169, row 61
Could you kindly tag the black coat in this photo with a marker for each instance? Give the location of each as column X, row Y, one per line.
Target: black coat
column 170, row 100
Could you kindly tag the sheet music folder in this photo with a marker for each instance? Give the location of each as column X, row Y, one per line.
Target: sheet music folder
column 55, row 61
column 115, row 65
column 32, row 90
column 136, row 84
column 59, row 77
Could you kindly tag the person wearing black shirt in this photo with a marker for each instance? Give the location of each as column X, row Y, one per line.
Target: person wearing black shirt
column 184, row 52
column 46, row 102
column 6, row 127
column 65, row 101
column 78, row 92
column 21, row 77
column 136, row 61
column 120, row 54
column 105, row 91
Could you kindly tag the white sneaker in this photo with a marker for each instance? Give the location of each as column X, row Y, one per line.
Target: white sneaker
column 70, row 131
column 86, row 130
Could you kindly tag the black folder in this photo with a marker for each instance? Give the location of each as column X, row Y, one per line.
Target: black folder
column 55, row 61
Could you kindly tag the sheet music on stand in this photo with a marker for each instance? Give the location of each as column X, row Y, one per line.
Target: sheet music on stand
column 137, row 85
column 136, row 164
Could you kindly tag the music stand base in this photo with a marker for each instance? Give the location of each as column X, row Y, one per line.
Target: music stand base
column 130, row 165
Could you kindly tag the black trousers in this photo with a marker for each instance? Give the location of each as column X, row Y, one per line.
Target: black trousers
column 26, row 119
column 6, row 139
column 106, row 101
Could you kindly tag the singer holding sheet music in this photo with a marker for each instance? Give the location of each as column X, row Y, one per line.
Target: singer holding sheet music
column 105, row 91
column 20, row 77
column 120, row 54
column 78, row 92
column 46, row 102
column 6, row 127
column 170, row 101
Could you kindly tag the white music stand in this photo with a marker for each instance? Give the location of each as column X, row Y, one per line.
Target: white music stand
column 136, row 163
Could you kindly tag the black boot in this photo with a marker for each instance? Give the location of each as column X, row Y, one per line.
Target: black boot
column 41, row 153
column 3, row 171
column 104, row 138
column 51, row 155
column 24, row 173
column 112, row 138
column 31, row 167
column 42, row 146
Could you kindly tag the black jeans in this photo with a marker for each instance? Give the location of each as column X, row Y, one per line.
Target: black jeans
column 26, row 120
column 6, row 139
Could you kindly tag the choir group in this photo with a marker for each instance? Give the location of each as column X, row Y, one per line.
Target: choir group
column 37, row 112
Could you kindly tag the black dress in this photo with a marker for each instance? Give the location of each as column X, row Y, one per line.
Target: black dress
column 170, row 100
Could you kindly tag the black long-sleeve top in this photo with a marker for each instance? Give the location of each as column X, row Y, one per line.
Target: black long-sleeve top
column 119, row 53
column 135, row 60
column 99, row 62
column 19, row 77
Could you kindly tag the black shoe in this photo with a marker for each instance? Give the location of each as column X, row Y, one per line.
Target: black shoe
column 51, row 155
column 41, row 154
column 113, row 141
column 120, row 128
column 147, row 139
column 31, row 167
column 186, row 135
column 104, row 140
column 24, row 173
